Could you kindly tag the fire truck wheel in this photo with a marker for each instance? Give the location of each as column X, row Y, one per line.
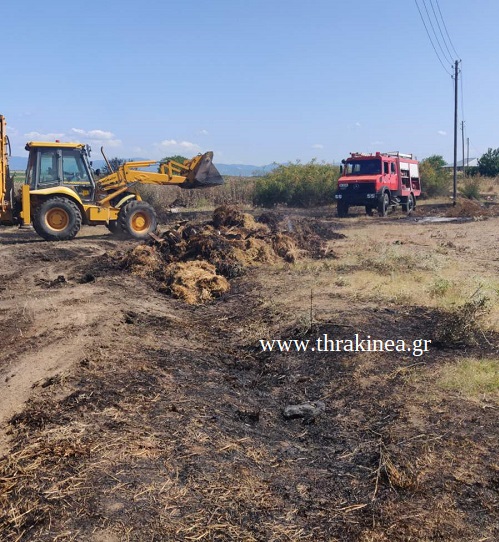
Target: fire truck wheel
column 342, row 209
column 369, row 210
column 383, row 204
column 409, row 206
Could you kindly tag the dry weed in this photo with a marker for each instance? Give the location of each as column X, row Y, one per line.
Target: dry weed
column 461, row 325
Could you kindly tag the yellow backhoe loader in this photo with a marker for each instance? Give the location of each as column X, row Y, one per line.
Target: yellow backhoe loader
column 61, row 191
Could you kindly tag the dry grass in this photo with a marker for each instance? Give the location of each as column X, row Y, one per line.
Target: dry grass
column 235, row 191
column 471, row 377
column 489, row 187
column 174, row 431
column 426, row 268
column 196, row 282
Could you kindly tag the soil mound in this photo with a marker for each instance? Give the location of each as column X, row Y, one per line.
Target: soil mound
column 467, row 208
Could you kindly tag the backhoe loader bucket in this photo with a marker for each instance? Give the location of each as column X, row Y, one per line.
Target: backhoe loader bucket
column 204, row 174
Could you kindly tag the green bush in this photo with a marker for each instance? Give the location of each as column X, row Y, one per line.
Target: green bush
column 471, row 187
column 435, row 180
column 297, row 185
column 472, row 171
column 115, row 164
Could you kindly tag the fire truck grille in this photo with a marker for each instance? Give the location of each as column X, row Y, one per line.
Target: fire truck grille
column 359, row 189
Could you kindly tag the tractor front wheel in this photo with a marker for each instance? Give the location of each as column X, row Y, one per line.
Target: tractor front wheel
column 57, row 219
column 137, row 219
column 113, row 227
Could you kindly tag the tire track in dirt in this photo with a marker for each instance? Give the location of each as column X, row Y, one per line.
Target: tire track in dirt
column 48, row 321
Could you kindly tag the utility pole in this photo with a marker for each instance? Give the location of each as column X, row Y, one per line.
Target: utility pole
column 467, row 153
column 462, row 130
column 456, row 71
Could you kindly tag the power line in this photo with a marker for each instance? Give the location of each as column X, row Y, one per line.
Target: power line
column 431, row 41
column 440, row 30
column 448, row 59
column 454, row 76
column 445, row 27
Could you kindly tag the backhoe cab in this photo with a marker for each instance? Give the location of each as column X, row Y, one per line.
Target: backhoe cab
column 61, row 191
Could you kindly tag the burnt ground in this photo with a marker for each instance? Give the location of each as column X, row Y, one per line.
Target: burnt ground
column 129, row 415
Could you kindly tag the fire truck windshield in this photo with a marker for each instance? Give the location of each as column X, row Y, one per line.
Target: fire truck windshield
column 363, row 167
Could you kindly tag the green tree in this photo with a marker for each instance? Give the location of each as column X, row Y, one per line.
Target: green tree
column 488, row 164
column 115, row 163
column 435, row 180
column 176, row 158
column 436, row 161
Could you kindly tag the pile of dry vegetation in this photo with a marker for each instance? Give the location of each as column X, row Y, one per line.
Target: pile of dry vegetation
column 464, row 209
column 194, row 262
column 467, row 208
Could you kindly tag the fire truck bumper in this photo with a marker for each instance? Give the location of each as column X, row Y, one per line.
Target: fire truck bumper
column 350, row 198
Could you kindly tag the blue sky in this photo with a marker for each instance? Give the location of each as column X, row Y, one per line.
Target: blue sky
column 255, row 81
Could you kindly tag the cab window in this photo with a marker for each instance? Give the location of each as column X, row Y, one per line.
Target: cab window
column 49, row 173
column 74, row 170
column 385, row 168
column 31, row 171
column 362, row 167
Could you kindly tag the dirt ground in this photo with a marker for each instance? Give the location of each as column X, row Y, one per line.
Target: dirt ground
column 128, row 415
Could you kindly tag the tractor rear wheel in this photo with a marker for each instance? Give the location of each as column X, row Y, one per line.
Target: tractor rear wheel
column 137, row 219
column 57, row 219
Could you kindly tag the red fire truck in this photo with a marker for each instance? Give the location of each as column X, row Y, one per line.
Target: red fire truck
column 378, row 181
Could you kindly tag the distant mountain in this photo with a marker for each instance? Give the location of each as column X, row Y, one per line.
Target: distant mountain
column 19, row 163
column 233, row 170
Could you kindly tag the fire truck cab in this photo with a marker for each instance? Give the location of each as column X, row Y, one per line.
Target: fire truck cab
column 378, row 181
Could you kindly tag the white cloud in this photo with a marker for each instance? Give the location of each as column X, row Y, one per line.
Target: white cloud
column 318, row 146
column 204, row 132
column 94, row 134
column 97, row 137
column 358, row 124
column 173, row 144
column 442, row 133
column 110, row 142
column 37, row 136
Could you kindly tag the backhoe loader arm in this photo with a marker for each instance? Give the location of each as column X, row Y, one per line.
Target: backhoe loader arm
column 199, row 172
